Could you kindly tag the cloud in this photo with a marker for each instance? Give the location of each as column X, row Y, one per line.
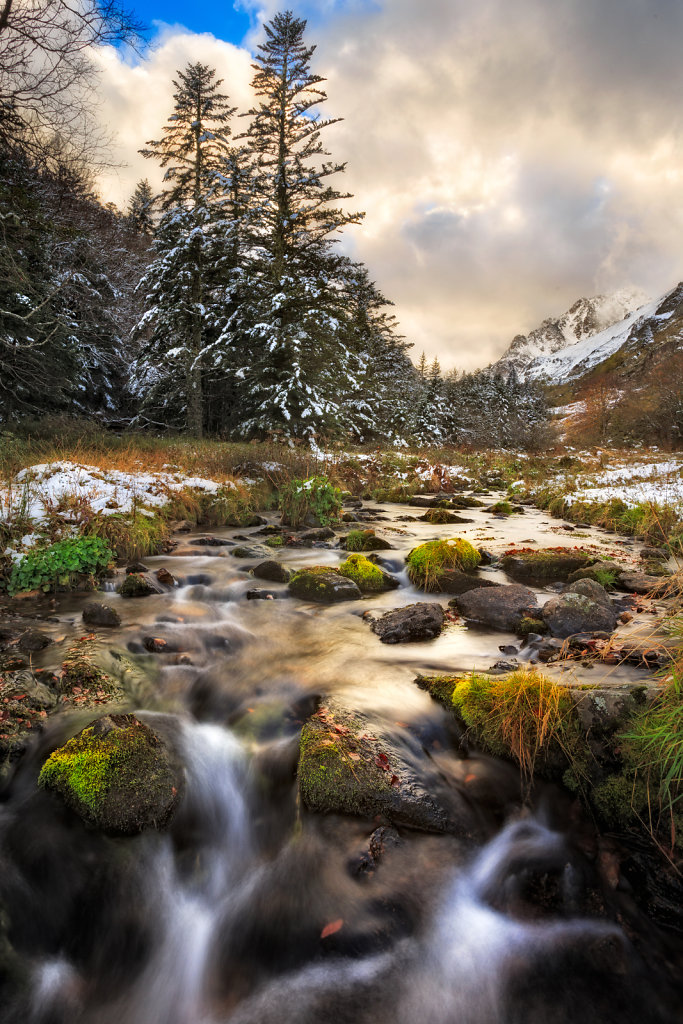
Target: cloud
column 509, row 157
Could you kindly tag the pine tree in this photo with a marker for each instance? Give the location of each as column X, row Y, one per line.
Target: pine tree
column 294, row 314
column 183, row 280
column 141, row 209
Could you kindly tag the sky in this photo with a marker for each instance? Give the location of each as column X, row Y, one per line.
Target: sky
column 511, row 156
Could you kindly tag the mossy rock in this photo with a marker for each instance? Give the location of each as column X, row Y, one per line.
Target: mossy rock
column 620, row 800
column 527, row 625
column 324, row 585
column 441, row 516
column 368, row 577
column 606, row 573
column 502, row 508
column 545, row 563
column 117, row 775
column 429, row 563
column 137, row 585
column 81, row 676
column 439, row 687
column 352, row 764
column 365, row 540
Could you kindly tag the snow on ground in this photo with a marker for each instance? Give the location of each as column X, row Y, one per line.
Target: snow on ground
column 660, row 483
column 107, row 491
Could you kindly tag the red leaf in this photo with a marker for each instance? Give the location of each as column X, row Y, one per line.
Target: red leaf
column 395, row 782
column 332, row 927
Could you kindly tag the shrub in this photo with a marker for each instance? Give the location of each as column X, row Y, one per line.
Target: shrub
column 315, row 496
column 59, row 564
column 131, row 537
column 429, row 561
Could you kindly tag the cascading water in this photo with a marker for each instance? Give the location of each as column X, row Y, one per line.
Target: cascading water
column 252, row 910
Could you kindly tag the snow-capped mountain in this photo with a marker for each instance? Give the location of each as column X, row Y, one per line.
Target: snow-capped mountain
column 645, row 335
column 585, row 319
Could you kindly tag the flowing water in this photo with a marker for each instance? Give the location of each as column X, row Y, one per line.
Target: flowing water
column 250, row 909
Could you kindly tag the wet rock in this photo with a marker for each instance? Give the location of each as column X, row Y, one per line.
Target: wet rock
column 658, row 554
column 545, row 563
column 208, row 540
column 320, row 533
column 137, row 585
column 597, row 571
column 453, row 581
column 604, row 711
column 351, row 763
column 530, row 627
column 33, row 640
column 166, row 578
column 364, row 540
column 323, row 585
column 96, row 613
column 158, row 645
column 422, row 621
column 441, row 516
column 368, row 577
column 261, row 595
column 639, row 582
column 136, row 567
column 202, row 579
column 117, row 775
column 501, row 607
column 382, row 840
column 435, row 501
column 274, row 572
column 487, row 557
column 584, row 607
column 245, row 551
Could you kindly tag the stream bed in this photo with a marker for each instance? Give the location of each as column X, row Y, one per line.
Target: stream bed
column 251, row 909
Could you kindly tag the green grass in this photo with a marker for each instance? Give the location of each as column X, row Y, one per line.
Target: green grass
column 428, row 562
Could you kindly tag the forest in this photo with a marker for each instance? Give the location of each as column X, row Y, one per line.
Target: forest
column 225, row 305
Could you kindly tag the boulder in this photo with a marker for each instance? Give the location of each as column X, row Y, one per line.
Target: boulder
column 658, row 554
column 137, row 585
column 368, row 577
column 422, row 621
column 351, row 763
column 246, row 551
column 33, row 641
column 502, row 607
column 117, row 775
column 640, row 582
column 209, row 540
column 96, row 613
column 545, row 563
column 323, row 585
column 320, row 533
column 584, row 607
column 442, row 517
column 274, row 572
column 452, row 581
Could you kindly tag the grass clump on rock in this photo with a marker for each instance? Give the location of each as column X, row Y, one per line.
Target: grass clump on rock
column 367, row 576
column 525, row 716
column 365, row 540
column 428, row 562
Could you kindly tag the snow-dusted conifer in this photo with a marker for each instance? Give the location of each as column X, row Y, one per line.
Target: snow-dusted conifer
column 141, row 209
column 181, row 285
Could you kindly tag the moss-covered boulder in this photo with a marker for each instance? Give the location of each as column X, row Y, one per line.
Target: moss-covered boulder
column 324, row 585
column 545, row 563
column 353, row 764
column 364, row 540
column 430, row 563
column 368, row 577
column 117, row 775
column 604, row 572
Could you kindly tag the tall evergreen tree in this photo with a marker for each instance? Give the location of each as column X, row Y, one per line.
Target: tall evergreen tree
column 294, row 314
column 182, row 284
column 141, row 208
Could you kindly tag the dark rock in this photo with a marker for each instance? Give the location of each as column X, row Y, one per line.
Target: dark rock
column 136, row 567
column 274, row 572
column 422, row 621
column 639, row 582
column 166, row 578
column 453, row 581
column 323, row 585
column 244, row 551
column 658, row 554
column 352, row 763
column 118, row 775
column 487, row 558
column 210, row 541
column 33, row 640
column 158, row 645
column 596, row 571
column 137, row 585
column 96, row 613
column 501, row 607
column 320, row 533
column 261, row 595
column 584, row 607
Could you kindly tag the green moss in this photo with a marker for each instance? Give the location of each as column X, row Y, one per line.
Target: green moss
column 428, row 562
column 440, row 688
column 528, row 625
column 620, row 799
column 356, row 539
column 274, row 542
column 337, row 772
column 503, row 508
column 440, row 516
column 135, row 585
column 367, row 576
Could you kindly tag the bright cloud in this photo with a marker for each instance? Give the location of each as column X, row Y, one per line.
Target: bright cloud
column 509, row 157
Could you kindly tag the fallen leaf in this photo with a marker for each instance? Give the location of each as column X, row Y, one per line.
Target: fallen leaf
column 332, row 927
